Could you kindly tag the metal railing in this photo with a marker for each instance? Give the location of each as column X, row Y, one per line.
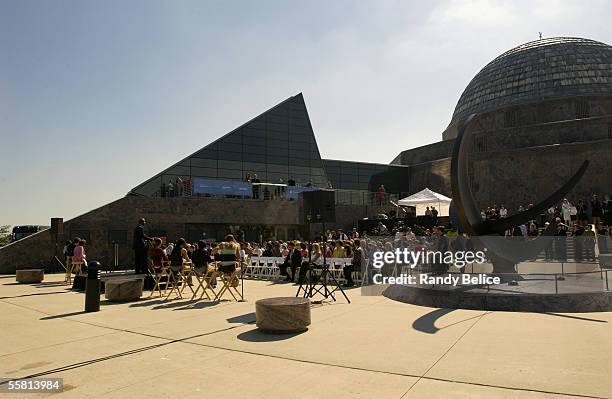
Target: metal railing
column 283, row 192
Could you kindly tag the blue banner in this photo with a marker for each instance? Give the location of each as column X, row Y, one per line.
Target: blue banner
column 222, row 187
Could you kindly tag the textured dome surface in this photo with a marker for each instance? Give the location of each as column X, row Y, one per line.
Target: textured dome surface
column 541, row 70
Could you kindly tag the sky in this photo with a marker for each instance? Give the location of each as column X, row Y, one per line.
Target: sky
column 98, row 96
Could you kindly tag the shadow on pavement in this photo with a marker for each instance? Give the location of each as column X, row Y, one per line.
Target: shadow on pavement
column 59, row 316
column 247, row 318
column 575, row 317
column 256, row 335
column 426, row 323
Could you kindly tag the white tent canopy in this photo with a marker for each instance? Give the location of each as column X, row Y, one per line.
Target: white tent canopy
column 427, row 198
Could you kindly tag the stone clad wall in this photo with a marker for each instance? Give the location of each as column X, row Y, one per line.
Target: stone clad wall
column 526, row 176
column 171, row 215
column 520, row 116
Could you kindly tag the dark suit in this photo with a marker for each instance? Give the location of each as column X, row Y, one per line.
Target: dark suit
column 293, row 261
column 140, row 250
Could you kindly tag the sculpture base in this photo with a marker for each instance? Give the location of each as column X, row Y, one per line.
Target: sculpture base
column 587, row 295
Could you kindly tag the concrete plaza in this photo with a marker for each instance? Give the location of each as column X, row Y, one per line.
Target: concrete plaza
column 371, row 348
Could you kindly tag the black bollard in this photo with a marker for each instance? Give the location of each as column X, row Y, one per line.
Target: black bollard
column 92, row 287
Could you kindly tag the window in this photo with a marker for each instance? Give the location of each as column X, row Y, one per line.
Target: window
column 232, row 147
column 203, row 163
column 582, row 109
column 274, row 136
column 277, row 159
column 203, row 172
column 278, row 168
column 480, row 143
column 259, row 158
column 230, row 156
column 248, row 141
column 206, row 153
column 230, row 165
column 610, row 131
column 511, row 118
column 254, row 166
column 230, row 174
column 253, row 133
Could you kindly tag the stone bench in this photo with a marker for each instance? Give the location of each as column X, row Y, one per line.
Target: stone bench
column 30, row 275
column 605, row 261
column 283, row 314
column 123, row 290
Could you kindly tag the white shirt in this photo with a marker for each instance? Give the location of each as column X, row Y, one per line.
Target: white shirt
column 503, row 212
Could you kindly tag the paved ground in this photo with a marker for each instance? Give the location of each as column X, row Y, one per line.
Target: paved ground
column 371, row 348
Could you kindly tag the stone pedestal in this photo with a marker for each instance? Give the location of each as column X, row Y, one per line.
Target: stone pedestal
column 123, row 290
column 30, row 275
column 283, row 314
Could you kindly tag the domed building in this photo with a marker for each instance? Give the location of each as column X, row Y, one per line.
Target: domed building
column 542, row 108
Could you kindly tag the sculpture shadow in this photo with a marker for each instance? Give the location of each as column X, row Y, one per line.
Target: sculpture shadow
column 426, row 323
column 256, row 335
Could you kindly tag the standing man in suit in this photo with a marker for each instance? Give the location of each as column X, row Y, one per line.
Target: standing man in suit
column 140, row 249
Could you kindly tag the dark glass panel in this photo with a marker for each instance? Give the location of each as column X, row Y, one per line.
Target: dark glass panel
column 248, row 157
column 203, row 172
column 277, row 159
column 206, row 153
column 203, row 163
column 254, row 149
column 232, row 147
column 257, row 133
column 178, row 170
column 249, row 141
column 237, row 165
column 230, row 174
column 278, row 168
column 254, row 167
column 230, row 156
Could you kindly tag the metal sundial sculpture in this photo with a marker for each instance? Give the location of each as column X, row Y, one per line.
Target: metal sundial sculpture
column 488, row 232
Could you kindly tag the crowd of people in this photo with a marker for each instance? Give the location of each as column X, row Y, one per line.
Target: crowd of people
column 151, row 251
column 587, row 223
column 568, row 219
column 75, row 249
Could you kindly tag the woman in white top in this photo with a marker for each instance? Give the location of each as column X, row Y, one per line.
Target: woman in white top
column 317, row 255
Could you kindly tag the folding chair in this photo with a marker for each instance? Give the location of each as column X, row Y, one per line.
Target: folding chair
column 187, row 273
column 230, row 282
column 205, row 279
column 175, row 278
column 68, row 278
column 157, row 275
column 74, row 268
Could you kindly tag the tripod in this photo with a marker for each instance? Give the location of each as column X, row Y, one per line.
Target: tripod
column 310, row 281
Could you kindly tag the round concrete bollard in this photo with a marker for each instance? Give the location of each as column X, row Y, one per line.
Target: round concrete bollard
column 283, row 314
column 123, row 290
column 30, row 275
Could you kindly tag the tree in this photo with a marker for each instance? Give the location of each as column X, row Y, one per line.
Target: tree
column 5, row 235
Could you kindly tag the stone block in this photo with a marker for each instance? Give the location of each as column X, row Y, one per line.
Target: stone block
column 30, row 275
column 123, row 290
